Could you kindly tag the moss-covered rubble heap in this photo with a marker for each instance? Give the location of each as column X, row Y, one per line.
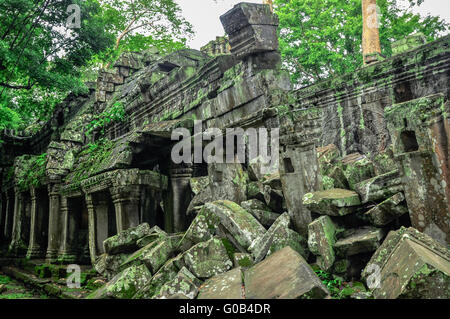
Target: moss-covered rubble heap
column 229, row 248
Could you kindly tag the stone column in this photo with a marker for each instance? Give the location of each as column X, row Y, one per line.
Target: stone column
column 8, row 217
column 34, row 247
column 54, row 229
column 66, row 251
column 92, row 228
column 180, row 198
column 371, row 35
column 126, row 201
column 17, row 246
column 101, row 221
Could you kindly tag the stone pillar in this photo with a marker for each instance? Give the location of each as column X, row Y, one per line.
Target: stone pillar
column 371, row 35
column 66, row 251
column 101, row 221
column 34, row 247
column 9, row 209
column 92, row 228
column 299, row 174
column 420, row 132
column 18, row 246
column 126, row 201
column 54, row 229
column 180, row 197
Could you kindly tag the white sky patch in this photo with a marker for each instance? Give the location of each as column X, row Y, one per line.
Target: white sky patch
column 204, row 16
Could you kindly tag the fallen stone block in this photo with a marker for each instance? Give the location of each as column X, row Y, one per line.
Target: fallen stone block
column 223, row 286
column 202, row 228
column 228, row 181
column 284, row 237
column 125, row 241
column 153, row 255
column 335, row 178
column 387, row 211
column 125, row 284
column 283, row 275
column 197, row 202
column 332, row 202
column 321, row 239
column 198, row 184
column 109, row 265
column 261, row 245
column 357, row 241
column 239, row 223
column 357, row 168
column 409, row 264
column 208, row 259
column 183, row 286
column 260, row 211
column 156, row 233
column 380, row 187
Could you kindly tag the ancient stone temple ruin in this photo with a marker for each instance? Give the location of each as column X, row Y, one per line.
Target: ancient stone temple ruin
column 361, row 156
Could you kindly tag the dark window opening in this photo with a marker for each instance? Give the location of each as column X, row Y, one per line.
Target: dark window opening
column 288, row 167
column 409, row 141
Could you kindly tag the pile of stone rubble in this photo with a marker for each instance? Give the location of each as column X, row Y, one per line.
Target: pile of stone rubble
column 241, row 243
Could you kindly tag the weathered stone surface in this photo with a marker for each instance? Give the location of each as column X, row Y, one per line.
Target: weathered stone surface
column 283, row 237
column 321, row 239
column 204, row 196
column 251, row 28
column 387, row 211
column 283, row 275
column 260, row 246
column 125, row 284
column 155, row 234
column 228, row 181
column 183, row 286
column 109, row 265
column 257, row 169
column 198, row 183
column 260, row 211
column 276, row 238
column 357, row 168
column 207, row 259
column 410, row 264
column 356, row 241
column 239, row 223
column 420, row 131
column 332, row 202
column 202, row 228
column 223, row 286
column 154, row 255
column 126, row 240
column 380, row 187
